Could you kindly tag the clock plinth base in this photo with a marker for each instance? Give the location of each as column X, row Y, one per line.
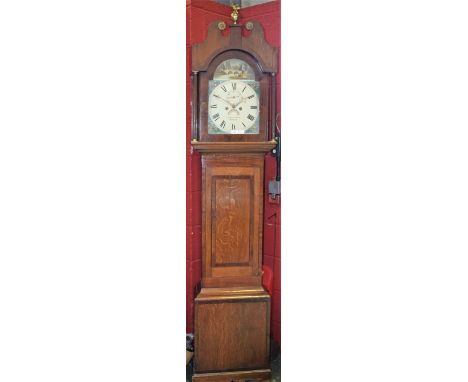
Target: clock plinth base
column 232, row 327
column 263, row 375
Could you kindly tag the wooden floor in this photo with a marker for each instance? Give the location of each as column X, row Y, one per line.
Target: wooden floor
column 275, row 370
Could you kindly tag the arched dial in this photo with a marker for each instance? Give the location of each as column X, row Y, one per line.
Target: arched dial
column 233, row 106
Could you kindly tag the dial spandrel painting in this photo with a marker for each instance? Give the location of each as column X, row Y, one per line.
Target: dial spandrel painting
column 234, row 99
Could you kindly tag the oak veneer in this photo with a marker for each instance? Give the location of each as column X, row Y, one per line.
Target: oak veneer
column 235, row 376
column 234, row 325
column 232, row 211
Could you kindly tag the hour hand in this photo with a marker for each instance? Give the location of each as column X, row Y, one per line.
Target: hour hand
column 238, row 103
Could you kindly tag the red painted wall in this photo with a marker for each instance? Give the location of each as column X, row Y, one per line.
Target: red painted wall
column 199, row 14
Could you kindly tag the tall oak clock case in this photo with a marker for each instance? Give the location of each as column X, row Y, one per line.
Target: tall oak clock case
column 233, row 93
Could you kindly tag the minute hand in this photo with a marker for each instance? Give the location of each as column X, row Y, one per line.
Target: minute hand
column 222, row 99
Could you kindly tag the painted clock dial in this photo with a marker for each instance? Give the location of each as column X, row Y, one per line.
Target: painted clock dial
column 233, row 107
column 233, row 101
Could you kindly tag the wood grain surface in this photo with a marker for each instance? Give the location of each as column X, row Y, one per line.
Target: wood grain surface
column 232, row 333
column 235, row 376
column 232, row 215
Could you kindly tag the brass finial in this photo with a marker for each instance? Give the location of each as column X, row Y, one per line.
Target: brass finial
column 235, row 13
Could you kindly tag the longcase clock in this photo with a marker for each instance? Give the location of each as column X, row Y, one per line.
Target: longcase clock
column 233, row 98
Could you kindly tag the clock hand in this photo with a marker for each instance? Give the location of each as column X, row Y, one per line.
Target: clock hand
column 222, row 99
column 238, row 103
